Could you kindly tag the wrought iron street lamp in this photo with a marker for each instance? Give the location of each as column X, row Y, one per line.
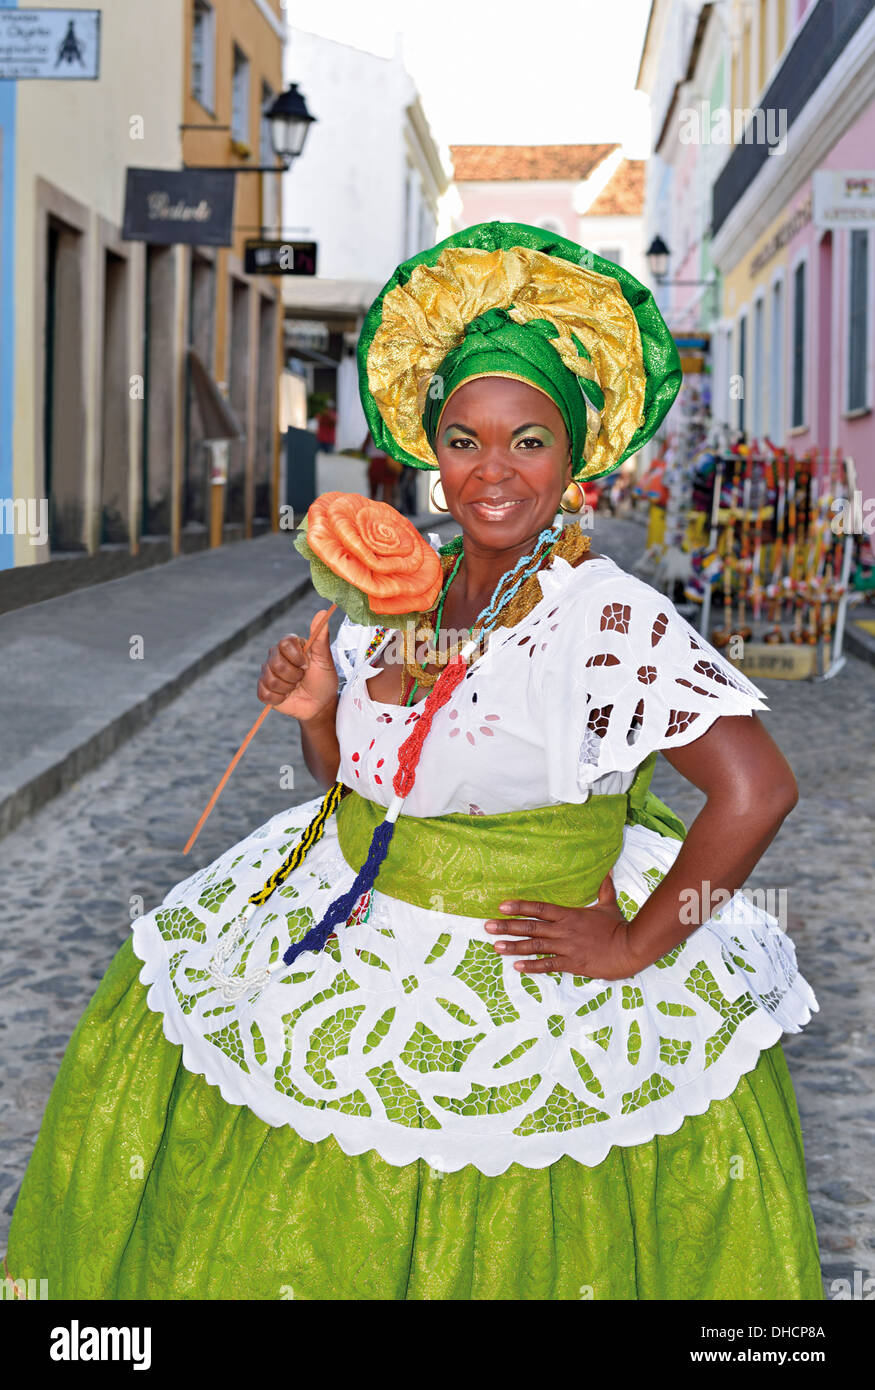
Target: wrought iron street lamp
column 657, row 258
column 657, row 255
column 289, row 123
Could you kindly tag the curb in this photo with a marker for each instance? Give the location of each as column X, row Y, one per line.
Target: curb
column 46, row 784
column 860, row 644
column 94, row 750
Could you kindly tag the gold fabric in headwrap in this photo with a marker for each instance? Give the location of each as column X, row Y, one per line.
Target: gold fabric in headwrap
column 426, row 317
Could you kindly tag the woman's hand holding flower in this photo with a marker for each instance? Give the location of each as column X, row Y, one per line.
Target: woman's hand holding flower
column 591, row 941
column 299, row 683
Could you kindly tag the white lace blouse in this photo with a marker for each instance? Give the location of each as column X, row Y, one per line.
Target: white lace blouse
column 565, row 705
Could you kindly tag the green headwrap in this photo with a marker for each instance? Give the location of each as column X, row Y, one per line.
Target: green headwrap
column 503, row 298
column 494, row 345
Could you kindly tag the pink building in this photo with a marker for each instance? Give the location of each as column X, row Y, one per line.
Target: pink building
column 832, row 271
column 588, row 193
column 794, row 240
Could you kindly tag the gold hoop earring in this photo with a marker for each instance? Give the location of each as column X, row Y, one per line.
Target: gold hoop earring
column 567, row 505
column 437, row 483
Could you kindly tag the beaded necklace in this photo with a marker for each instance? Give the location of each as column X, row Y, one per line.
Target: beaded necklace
column 437, row 622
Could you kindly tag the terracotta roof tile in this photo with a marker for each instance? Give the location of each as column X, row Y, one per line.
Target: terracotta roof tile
column 624, row 192
column 506, row 162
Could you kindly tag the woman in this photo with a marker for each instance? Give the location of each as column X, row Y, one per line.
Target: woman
column 540, row 1057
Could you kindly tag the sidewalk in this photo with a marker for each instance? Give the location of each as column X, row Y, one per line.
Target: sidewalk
column 84, row 671
column 860, row 632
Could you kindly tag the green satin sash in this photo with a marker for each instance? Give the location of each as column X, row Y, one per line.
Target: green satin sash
column 468, row 864
column 645, row 808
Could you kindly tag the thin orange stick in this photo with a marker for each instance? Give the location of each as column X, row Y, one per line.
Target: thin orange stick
column 245, row 744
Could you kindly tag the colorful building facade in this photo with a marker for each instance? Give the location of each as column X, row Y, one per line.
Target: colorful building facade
column 795, row 354
column 763, row 99
column 104, row 426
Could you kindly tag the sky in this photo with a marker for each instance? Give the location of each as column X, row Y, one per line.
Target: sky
column 508, row 72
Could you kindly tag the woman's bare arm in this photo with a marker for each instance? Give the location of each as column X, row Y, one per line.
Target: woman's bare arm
column 750, row 789
column 320, row 747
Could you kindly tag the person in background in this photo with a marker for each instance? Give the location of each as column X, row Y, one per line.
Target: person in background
column 377, row 471
column 407, row 490
column 326, row 427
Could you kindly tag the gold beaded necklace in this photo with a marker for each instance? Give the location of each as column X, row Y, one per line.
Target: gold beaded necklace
column 570, row 545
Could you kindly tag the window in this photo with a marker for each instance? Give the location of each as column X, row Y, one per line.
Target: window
column 797, row 415
column 265, row 151
column 203, row 55
column 426, row 225
column 408, row 187
column 742, row 367
column 776, row 362
column 240, row 98
column 858, row 321
column 266, row 156
column 611, row 253
column 758, row 372
column 413, row 212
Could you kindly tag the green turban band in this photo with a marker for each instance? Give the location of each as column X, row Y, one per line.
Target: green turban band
column 494, row 345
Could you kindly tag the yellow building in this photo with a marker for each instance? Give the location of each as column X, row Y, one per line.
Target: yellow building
column 234, row 72
column 108, row 429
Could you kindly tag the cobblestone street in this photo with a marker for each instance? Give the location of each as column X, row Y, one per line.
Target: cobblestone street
column 75, row 872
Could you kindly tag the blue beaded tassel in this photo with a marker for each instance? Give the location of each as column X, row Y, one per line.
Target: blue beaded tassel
column 340, row 909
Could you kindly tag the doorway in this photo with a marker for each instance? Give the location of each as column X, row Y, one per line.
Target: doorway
column 64, row 388
column 265, row 410
column 114, row 520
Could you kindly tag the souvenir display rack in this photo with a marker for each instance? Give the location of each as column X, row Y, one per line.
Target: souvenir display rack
column 773, row 577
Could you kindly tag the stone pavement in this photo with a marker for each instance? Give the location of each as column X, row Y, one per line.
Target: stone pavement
column 84, row 671
column 75, row 872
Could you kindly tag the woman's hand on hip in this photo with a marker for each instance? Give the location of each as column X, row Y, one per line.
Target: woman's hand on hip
column 590, row 941
column 303, row 684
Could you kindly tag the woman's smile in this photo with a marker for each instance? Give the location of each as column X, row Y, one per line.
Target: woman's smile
column 497, row 511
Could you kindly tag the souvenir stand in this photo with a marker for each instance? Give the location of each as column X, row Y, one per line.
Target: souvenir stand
column 779, row 560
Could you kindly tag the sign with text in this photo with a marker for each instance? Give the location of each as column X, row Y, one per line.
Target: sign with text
column 50, row 43
column 781, row 661
column 164, row 206
column 844, row 197
column 280, row 258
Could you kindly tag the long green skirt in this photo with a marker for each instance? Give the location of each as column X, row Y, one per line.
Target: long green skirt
column 146, row 1184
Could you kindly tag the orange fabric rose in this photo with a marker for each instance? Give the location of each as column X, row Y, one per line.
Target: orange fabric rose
column 373, row 547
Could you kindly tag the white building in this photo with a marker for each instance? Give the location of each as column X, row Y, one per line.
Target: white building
column 374, row 188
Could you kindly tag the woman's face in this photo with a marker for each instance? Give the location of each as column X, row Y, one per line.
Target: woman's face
column 502, row 441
